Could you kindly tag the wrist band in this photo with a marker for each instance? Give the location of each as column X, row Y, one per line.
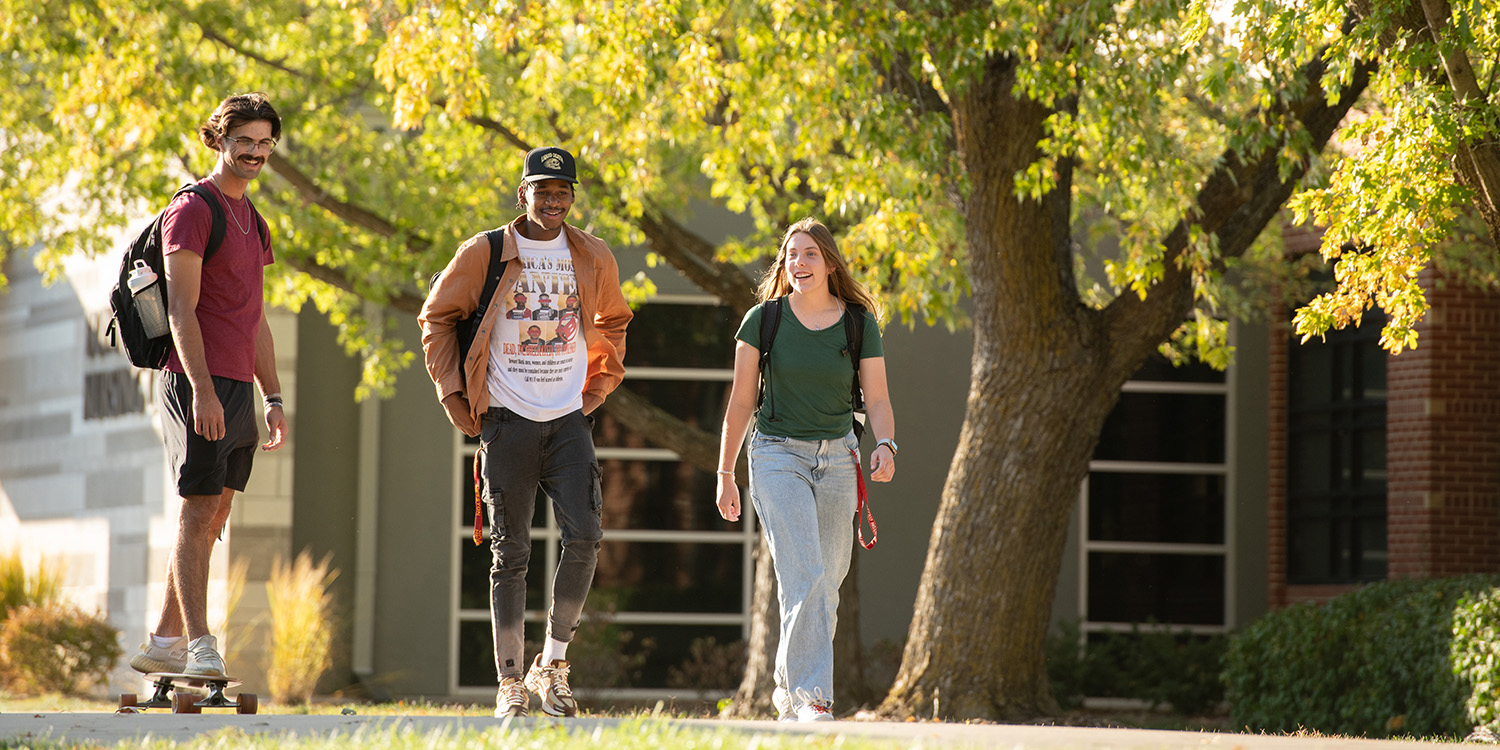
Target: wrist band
column 273, row 399
column 721, row 471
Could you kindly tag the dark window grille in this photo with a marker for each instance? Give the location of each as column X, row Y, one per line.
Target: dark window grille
column 1335, row 479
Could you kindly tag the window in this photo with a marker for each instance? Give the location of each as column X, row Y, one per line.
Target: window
column 1154, row 508
column 1335, row 478
column 671, row 594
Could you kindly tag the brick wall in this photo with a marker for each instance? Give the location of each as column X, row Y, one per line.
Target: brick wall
column 1443, row 440
column 1276, row 405
column 1442, row 447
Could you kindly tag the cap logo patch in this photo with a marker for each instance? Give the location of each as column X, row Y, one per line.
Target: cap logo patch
column 552, row 161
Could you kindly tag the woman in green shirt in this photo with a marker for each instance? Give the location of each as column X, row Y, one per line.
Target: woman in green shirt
column 804, row 456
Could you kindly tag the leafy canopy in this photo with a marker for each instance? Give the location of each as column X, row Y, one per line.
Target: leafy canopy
column 405, row 122
column 1394, row 203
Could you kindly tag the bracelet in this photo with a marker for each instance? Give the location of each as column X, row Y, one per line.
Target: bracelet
column 273, row 399
column 721, row 471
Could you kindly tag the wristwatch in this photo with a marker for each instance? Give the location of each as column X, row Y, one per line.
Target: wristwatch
column 888, row 442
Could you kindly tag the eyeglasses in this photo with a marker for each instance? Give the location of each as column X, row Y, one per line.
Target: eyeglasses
column 247, row 144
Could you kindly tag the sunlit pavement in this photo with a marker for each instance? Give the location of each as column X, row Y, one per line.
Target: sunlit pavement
column 108, row 729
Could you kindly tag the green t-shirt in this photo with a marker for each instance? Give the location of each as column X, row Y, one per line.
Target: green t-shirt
column 810, row 375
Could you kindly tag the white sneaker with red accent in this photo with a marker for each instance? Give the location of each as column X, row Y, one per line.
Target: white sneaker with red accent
column 813, row 706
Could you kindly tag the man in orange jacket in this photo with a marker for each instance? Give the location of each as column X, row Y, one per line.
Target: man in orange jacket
column 531, row 407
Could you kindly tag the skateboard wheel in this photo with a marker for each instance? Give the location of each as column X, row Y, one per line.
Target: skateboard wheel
column 248, row 704
column 127, row 700
column 183, row 704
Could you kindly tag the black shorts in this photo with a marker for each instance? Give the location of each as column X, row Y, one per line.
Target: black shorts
column 207, row 467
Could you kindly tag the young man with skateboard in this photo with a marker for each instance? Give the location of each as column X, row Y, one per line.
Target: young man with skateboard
column 530, row 405
column 222, row 344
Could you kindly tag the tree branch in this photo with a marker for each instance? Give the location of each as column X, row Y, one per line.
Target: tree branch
column 695, row 446
column 213, row 36
column 406, row 302
column 1234, row 205
column 350, row 213
column 1483, row 158
column 694, row 257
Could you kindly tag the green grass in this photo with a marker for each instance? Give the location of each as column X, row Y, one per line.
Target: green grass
column 642, row 733
column 55, row 703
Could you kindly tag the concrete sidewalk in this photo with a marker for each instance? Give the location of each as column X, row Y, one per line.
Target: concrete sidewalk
column 109, row 729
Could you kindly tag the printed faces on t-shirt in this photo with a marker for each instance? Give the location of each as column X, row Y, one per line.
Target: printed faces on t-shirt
column 538, row 355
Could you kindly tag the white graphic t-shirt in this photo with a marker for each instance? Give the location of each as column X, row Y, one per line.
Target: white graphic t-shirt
column 538, row 359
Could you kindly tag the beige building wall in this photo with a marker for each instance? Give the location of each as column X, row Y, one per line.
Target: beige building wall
column 83, row 476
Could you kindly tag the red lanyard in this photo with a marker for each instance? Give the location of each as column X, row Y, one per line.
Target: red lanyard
column 478, row 507
column 864, row 504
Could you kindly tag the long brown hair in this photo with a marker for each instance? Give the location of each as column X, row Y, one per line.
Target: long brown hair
column 841, row 284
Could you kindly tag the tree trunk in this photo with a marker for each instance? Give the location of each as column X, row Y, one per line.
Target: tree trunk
column 753, row 699
column 1046, row 372
column 1038, row 397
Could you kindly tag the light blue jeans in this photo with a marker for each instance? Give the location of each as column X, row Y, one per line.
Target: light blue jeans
column 805, row 494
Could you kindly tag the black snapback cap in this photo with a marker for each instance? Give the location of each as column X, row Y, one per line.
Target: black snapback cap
column 549, row 163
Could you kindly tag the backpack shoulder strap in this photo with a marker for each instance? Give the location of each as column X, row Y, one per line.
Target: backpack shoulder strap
column 260, row 223
column 216, row 227
column 493, row 271
column 770, row 321
column 854, row 331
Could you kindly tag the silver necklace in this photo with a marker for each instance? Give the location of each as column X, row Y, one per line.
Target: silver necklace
column 831, row 322
column 242, row 227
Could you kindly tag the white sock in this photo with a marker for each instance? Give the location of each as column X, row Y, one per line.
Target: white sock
column 161, row 641
column 553, row 651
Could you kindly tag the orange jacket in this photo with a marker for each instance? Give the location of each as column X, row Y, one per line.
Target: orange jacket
column 605, row 315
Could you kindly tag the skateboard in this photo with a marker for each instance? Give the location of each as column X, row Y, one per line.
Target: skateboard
column 181, row 692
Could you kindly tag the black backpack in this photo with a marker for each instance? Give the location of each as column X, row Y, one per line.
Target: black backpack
column 469, row 326
column 144, row 351
column 854, row 330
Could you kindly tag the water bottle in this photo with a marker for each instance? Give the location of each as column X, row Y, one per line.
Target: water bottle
column 148, row 303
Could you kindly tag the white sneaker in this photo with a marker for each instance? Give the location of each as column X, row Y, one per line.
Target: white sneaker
column 203, row 658
column 819, row 711
column 154, row 658
column 782, row 700
column 813, row 706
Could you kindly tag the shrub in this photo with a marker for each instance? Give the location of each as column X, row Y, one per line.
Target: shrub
column 1476, row 653
column 301, row 628
column 1150, row 663
column 232, row 640
column 710, row 666
column 1408, row 657
column 56, row 648
column 17, row 589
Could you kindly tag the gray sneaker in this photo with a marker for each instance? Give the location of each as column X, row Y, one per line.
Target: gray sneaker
column 203, row 658
column 154, row 658
column 511, row 700
column 550, row 683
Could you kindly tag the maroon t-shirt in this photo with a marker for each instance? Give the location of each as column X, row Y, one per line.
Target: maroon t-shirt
column 231, row 292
